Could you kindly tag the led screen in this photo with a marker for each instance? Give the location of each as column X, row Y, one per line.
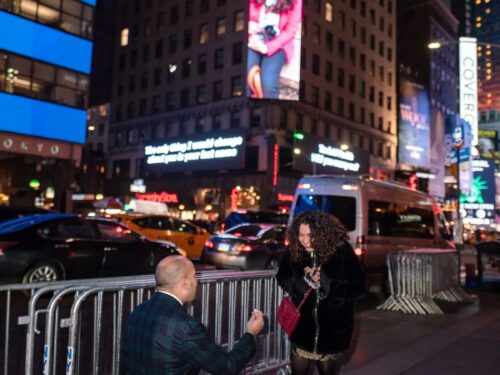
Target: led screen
column 414, row 125
column 90, row 2
column 41, row 119
column 479, row 204
column 273, row 51
column 207, row 151
column 43, row 43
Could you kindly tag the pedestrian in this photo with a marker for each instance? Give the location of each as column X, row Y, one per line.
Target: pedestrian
column 319, row 257
column 272, row 27
column 162, row 338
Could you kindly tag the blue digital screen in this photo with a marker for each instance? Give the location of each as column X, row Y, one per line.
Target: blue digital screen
column 90, row 2
column 37, row 118
column 30, row 39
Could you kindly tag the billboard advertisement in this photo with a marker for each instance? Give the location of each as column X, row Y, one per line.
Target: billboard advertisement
column 207, row 151
column 273, row 49
column 317, row 155
column 468, row 84
column 478, row 206
column 458, row 132
column 414, row 125
column 488, row 143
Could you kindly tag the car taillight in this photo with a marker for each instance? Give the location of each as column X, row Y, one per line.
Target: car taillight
column 360, row 247
column 209, row 244
column 244, row 247
column 5, row 245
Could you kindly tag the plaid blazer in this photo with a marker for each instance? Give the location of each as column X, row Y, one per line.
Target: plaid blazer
column 161, row 338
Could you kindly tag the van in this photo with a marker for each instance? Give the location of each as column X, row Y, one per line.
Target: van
column 380, row 216
column 249, row 216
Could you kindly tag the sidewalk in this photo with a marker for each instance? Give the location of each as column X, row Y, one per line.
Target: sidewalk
column 465, row 340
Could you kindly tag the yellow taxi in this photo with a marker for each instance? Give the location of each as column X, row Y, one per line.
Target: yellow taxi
column 161, row 227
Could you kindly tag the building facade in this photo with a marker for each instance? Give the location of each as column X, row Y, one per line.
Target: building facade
column 179, row 78
column 45, row 58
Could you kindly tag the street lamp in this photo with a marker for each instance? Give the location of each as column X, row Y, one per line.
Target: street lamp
column 298, row 151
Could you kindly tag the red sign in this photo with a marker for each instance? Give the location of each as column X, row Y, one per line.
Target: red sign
column 275, row 164
column 285, row 197
column 162, row 197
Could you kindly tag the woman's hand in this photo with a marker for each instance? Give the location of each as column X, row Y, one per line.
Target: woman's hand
column 257, row 45
column 314, row 274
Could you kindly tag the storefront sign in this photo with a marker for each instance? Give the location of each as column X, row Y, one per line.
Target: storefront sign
column 39, row 147
column 220, row 150
column 285, row 197
column 468, row 84
column 138, row 186
column 162, row 197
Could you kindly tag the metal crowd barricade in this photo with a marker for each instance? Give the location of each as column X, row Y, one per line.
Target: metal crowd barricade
column 417, row 277
column 85, row 319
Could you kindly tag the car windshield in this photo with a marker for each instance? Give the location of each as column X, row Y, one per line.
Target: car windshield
column 247, row 231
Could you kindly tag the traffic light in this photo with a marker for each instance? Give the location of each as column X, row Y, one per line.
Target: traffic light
column 298, row 135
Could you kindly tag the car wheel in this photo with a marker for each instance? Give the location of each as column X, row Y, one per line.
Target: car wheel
column 272, row 264
column 44, row 271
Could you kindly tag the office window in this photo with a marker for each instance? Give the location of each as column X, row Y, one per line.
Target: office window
column 352, row 111
column 131, row 84
column 145, row 54
column 389, row 54
column 236, row 86
column 239, row 21
column 362, row 88
column 237, row 53
column 315, row 96
column 372, row 68
column 120, row 87
column 171, row 71
column 353, row 28
column 174, row 15
column 329, row 41
column 204, row 33
column 147, row 26
column 183, row 127
column 217, row 90
column 184, row 97
column 380, row 123
column 362, row 61
column 133, row 58
column 328, row 12
column 342, row 20
column 363, row 35
column 315, row 64
column 157, row 77
column 186, row 67
column 202, row 63
column 124, row 37
column 363, row 8
column 155, row 104
column 341, row 48
column 340, row 78
column 159, row 48
column 381, row 48
column 235, row 119
column 328, row 71
column 372, row 94
column 216, row 121
column 144, row 80
column 188, row 8
column 372, row 42
column 255, row 115
column 201, row 94
column 381, row 98
column 352, row 83
column 160, row 21
column 204, row 6
column 200, row 125
column 169, row 101
column 381, row 73
column 143, row 103
column 123, row 61
column 389, row 102
column 172, row 44
column 328, row 101
column 340, row 106
column 362, row 119
column 372, row 119
column 316, row 33
column 314, row 126
column 352, row 55
column 219, row 58
column 221, row 27
column 188, row 38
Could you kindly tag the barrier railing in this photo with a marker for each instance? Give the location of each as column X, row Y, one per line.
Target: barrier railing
column 85, row 319
column 417, row 277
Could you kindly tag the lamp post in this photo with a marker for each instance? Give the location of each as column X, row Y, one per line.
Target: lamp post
column 458, row 142
column 298, row 151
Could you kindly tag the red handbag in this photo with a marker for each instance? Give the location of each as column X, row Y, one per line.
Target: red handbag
column 288, row 315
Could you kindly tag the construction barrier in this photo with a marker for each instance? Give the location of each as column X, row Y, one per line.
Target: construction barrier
column 417, row 277
column 76, row 327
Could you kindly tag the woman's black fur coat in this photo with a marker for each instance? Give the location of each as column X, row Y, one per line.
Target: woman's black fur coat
column 342, row 280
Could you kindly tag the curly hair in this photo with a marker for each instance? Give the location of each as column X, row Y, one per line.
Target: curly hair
column 281, row 5
column 326, row 232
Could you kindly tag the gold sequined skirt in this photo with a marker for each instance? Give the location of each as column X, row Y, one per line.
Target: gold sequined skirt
column 315, row 356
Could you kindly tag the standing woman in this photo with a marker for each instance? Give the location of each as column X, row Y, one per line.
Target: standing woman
column 320, row 257
column 272, row 27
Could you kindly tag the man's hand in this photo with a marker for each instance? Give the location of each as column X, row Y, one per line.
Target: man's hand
column 256, row 322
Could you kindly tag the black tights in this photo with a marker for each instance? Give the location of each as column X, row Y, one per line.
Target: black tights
column 300, row 366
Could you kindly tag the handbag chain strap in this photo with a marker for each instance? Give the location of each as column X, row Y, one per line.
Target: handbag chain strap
column 304, row 299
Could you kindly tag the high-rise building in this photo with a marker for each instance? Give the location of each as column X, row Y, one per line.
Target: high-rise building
column 180, row 83
column 45, row 61
column 428, row 88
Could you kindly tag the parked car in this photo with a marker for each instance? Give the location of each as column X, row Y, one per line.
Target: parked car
column 57, row 246
column 247, row 246
column 161, row 227
column 15, row 212
column 249, row 216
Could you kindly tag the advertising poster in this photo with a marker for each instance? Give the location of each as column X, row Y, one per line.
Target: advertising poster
column 488, row 143
column 207, row 151
column 479, row 204
column 414, row 125
column 454, row 125
column 273, row 49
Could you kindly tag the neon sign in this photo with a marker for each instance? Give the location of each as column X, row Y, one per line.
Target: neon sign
column 285, row 197
column 162, row 197
column 275, row 164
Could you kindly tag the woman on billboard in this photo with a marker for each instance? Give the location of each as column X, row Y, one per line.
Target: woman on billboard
column 273, row 25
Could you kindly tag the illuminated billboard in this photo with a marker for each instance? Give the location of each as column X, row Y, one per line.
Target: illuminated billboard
column 207, row 151
column 478, row 206
column 317, row 155
column 468, row 84
column 414, row 125
column 274, row 43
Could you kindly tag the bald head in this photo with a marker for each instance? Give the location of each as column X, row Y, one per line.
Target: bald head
column 171, row 270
